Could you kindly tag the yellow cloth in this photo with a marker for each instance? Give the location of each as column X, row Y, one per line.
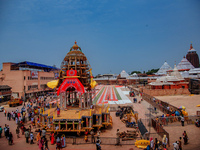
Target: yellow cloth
column 38, row 137
column 52, row 84
column 93, row 83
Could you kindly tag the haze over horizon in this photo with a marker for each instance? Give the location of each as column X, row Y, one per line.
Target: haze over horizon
column 114, row 35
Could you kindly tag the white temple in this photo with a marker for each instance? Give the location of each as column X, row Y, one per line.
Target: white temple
column 169, row 79
column 163, row 69
column 123, row 74
column 185, row 65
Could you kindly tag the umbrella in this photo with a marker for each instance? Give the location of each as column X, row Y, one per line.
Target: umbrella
column 198, row 105
column 182, row 107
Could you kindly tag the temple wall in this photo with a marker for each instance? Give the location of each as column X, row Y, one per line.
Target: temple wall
column 165, row 92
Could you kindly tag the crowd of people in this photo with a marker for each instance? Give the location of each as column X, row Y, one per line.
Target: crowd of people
column 7, row 134
column 28, row 113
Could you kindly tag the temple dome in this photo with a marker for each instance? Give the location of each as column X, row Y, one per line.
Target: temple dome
column 76, row 60
column 75, row 46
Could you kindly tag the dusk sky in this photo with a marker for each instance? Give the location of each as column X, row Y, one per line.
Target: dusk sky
column 114, row 35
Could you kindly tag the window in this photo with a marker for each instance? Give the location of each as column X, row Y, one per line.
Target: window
column 30, row 87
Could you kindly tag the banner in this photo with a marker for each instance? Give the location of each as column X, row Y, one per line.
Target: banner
column 34, row 74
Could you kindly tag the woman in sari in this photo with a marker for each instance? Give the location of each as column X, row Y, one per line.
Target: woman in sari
column 38, row 137
column 52, row 138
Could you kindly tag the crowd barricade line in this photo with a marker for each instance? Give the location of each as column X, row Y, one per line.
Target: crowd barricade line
column 104, row 140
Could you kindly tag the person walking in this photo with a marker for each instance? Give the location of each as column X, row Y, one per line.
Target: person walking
column 0, row 131
column 52, row 138
column 7, row 115
column 5, row 112
column 176, row 145
column 17, row 131
column 164, row 141
column 151, row 143
column 98, row 142
column 98, row 133
column 185, row 137
column 16, row 120
column 92, row 136
column 23, row 129
column 180, row 143
column 10, row 139
column 156, row 144
column 58, row 143
column 31, row 137
column 118, row 138
column 41, row 143
column 38, row 137
column 46, row 144
column 86, row 136
column 58, row 111
column 182, row 120
column 27, row 135
column 5, row 129
column 44, row 133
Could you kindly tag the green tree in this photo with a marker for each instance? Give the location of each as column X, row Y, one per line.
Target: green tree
column 152, row 71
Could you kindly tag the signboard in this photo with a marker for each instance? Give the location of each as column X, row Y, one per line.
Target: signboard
column 56, row 75
column 34, row 74
column 198, row 113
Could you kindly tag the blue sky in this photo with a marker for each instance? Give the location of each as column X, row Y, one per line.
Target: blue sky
column 115, row 35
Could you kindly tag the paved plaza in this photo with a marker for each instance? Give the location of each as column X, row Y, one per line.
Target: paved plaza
column 144, row 111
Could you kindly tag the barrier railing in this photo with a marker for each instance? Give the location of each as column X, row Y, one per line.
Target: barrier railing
column 167, row 121
column 104, row 140
column 159, row 104
column 159, row 129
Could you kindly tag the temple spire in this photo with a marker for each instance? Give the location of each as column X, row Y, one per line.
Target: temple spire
column 191, row 47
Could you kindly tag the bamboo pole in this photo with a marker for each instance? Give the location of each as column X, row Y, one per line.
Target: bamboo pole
column 53, row 115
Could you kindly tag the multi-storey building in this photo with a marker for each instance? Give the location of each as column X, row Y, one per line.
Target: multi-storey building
column 27, row 78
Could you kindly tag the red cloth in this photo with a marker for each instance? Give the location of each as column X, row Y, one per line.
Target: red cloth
column 52, row 138
column 58, row 111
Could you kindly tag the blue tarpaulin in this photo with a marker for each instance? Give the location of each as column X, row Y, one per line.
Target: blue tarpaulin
column 177, row 113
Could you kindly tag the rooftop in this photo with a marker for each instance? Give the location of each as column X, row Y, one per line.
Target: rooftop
column 4, row 87
column 31, row 65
